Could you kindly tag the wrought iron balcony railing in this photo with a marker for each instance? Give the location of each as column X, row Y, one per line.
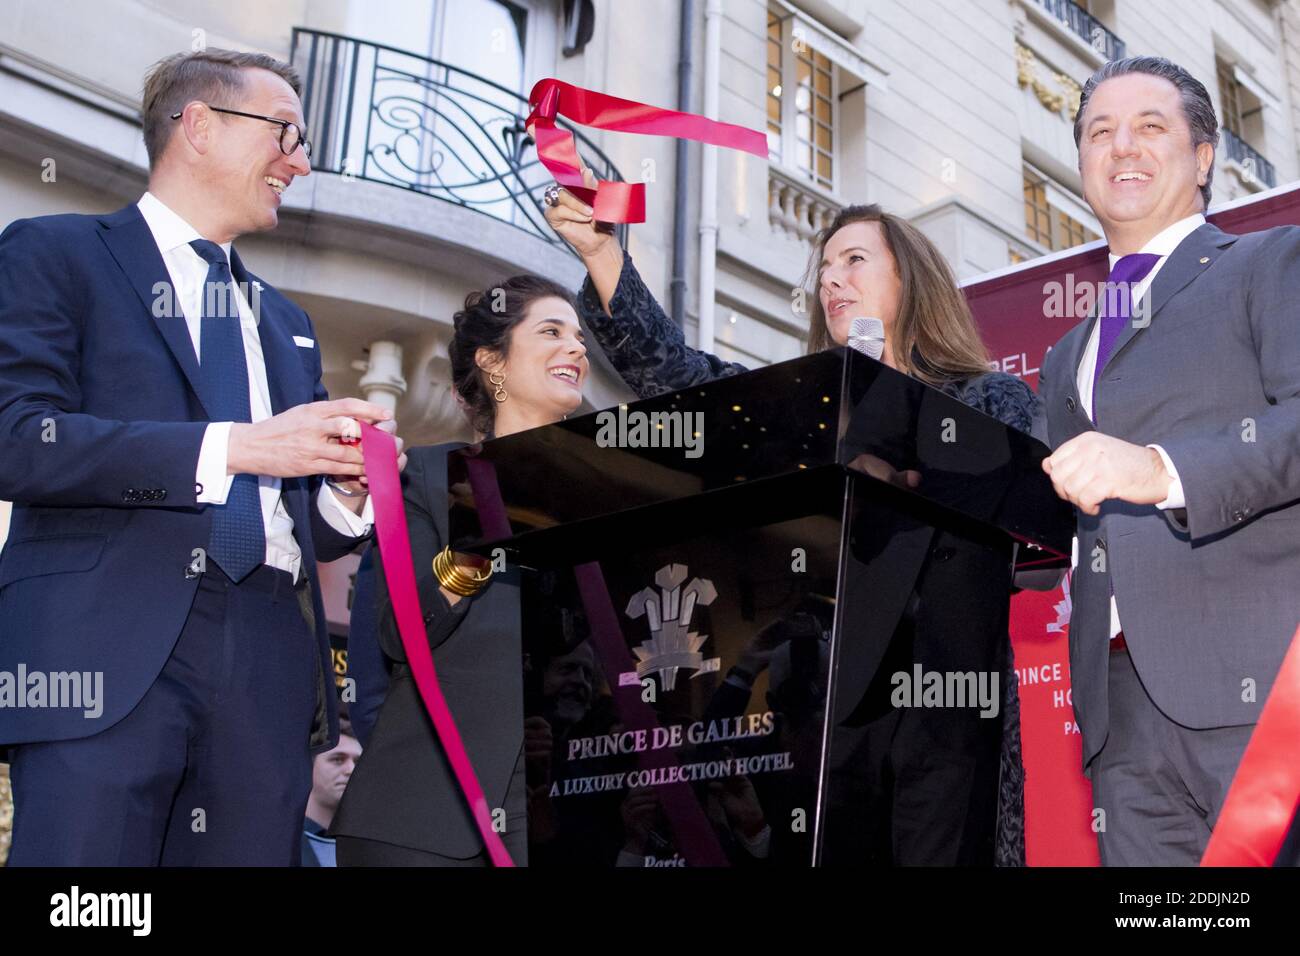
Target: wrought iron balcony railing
column 1083, row 24
column 388, row 116
column 1254, row 167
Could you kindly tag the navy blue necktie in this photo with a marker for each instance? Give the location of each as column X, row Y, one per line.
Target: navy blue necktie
column 238, row 541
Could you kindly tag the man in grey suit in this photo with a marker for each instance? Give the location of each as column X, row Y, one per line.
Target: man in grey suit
column 1174, row 413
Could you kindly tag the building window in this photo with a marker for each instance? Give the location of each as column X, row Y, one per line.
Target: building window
column 1045, row 223
column 1038, row 214
column 801, row 104
column 1229, row 99
column 1072, row 233
column 1241, row 109
column 487, row 38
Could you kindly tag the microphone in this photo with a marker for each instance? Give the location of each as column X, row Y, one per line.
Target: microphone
column 868, row 337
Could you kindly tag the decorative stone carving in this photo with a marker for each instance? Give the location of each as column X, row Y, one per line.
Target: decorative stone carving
column 1067, row 95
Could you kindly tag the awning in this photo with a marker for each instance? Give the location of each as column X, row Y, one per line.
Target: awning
column 1065, row 201
column 836, row 49
column 1069, row 204
column 1253, row 87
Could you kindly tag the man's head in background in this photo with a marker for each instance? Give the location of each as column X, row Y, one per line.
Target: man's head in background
column 568, row 685
column 1146, row 132
column 221, row 171
column 331, row 772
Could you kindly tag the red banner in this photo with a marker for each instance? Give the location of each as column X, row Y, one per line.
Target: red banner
column 1265, row 793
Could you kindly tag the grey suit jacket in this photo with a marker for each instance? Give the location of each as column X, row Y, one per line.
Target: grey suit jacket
column 1209, row 595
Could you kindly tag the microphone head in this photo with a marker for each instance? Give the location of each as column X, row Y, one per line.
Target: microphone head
column 867, row 335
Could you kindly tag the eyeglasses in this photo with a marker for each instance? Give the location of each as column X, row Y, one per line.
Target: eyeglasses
column 291, row 134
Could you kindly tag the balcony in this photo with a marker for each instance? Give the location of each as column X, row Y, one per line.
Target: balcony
column 1085, row 26
column 1253, row 168
column 384, row 115
column 796, row 207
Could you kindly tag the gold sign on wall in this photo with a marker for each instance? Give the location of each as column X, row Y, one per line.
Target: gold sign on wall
column 1064, row 96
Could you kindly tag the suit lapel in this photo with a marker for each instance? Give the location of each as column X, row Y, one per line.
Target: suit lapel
column 1193, row 255
column 134, row 248
column 1082, row 334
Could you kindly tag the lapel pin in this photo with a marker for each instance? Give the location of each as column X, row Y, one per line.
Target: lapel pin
column 1204, row 259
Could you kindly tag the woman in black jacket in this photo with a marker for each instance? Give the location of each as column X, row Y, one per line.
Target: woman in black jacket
column 870, row 264
column 518, row 361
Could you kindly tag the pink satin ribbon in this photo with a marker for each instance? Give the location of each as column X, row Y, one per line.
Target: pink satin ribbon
column 1265, row 791
column 617, row 202
column 380, row 452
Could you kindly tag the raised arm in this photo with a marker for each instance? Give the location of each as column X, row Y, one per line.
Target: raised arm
column 646, row 348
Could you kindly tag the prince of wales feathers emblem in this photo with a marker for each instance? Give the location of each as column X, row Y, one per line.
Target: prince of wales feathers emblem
column 672, row 644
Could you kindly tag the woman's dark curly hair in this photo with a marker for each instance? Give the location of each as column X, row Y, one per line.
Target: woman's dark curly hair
column 486, row 322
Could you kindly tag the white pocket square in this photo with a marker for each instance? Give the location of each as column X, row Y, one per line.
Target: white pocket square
column 304, row 342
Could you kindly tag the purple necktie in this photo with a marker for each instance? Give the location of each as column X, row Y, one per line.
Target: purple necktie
column 1128, row 272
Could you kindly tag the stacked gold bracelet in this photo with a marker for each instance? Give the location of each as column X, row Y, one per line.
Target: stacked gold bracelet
column 455, row 578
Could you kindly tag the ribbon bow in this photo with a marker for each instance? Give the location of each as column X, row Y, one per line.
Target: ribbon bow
column 612, row 201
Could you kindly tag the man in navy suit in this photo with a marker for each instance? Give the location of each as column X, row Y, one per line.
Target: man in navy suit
column 176, row 473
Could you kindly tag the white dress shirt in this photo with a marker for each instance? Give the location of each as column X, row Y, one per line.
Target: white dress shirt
column 1162, row 245
column 188, row 272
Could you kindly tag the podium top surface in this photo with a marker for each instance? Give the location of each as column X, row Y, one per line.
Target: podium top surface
column 784, row 438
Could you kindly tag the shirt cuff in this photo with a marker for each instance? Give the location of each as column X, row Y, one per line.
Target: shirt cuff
column 211, row 483
column 340, row 518
column 1174, row 498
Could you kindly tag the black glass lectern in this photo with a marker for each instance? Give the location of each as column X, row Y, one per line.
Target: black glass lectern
column 765, row 617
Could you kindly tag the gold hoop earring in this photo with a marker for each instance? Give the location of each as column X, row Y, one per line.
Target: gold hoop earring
column 499, row 382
